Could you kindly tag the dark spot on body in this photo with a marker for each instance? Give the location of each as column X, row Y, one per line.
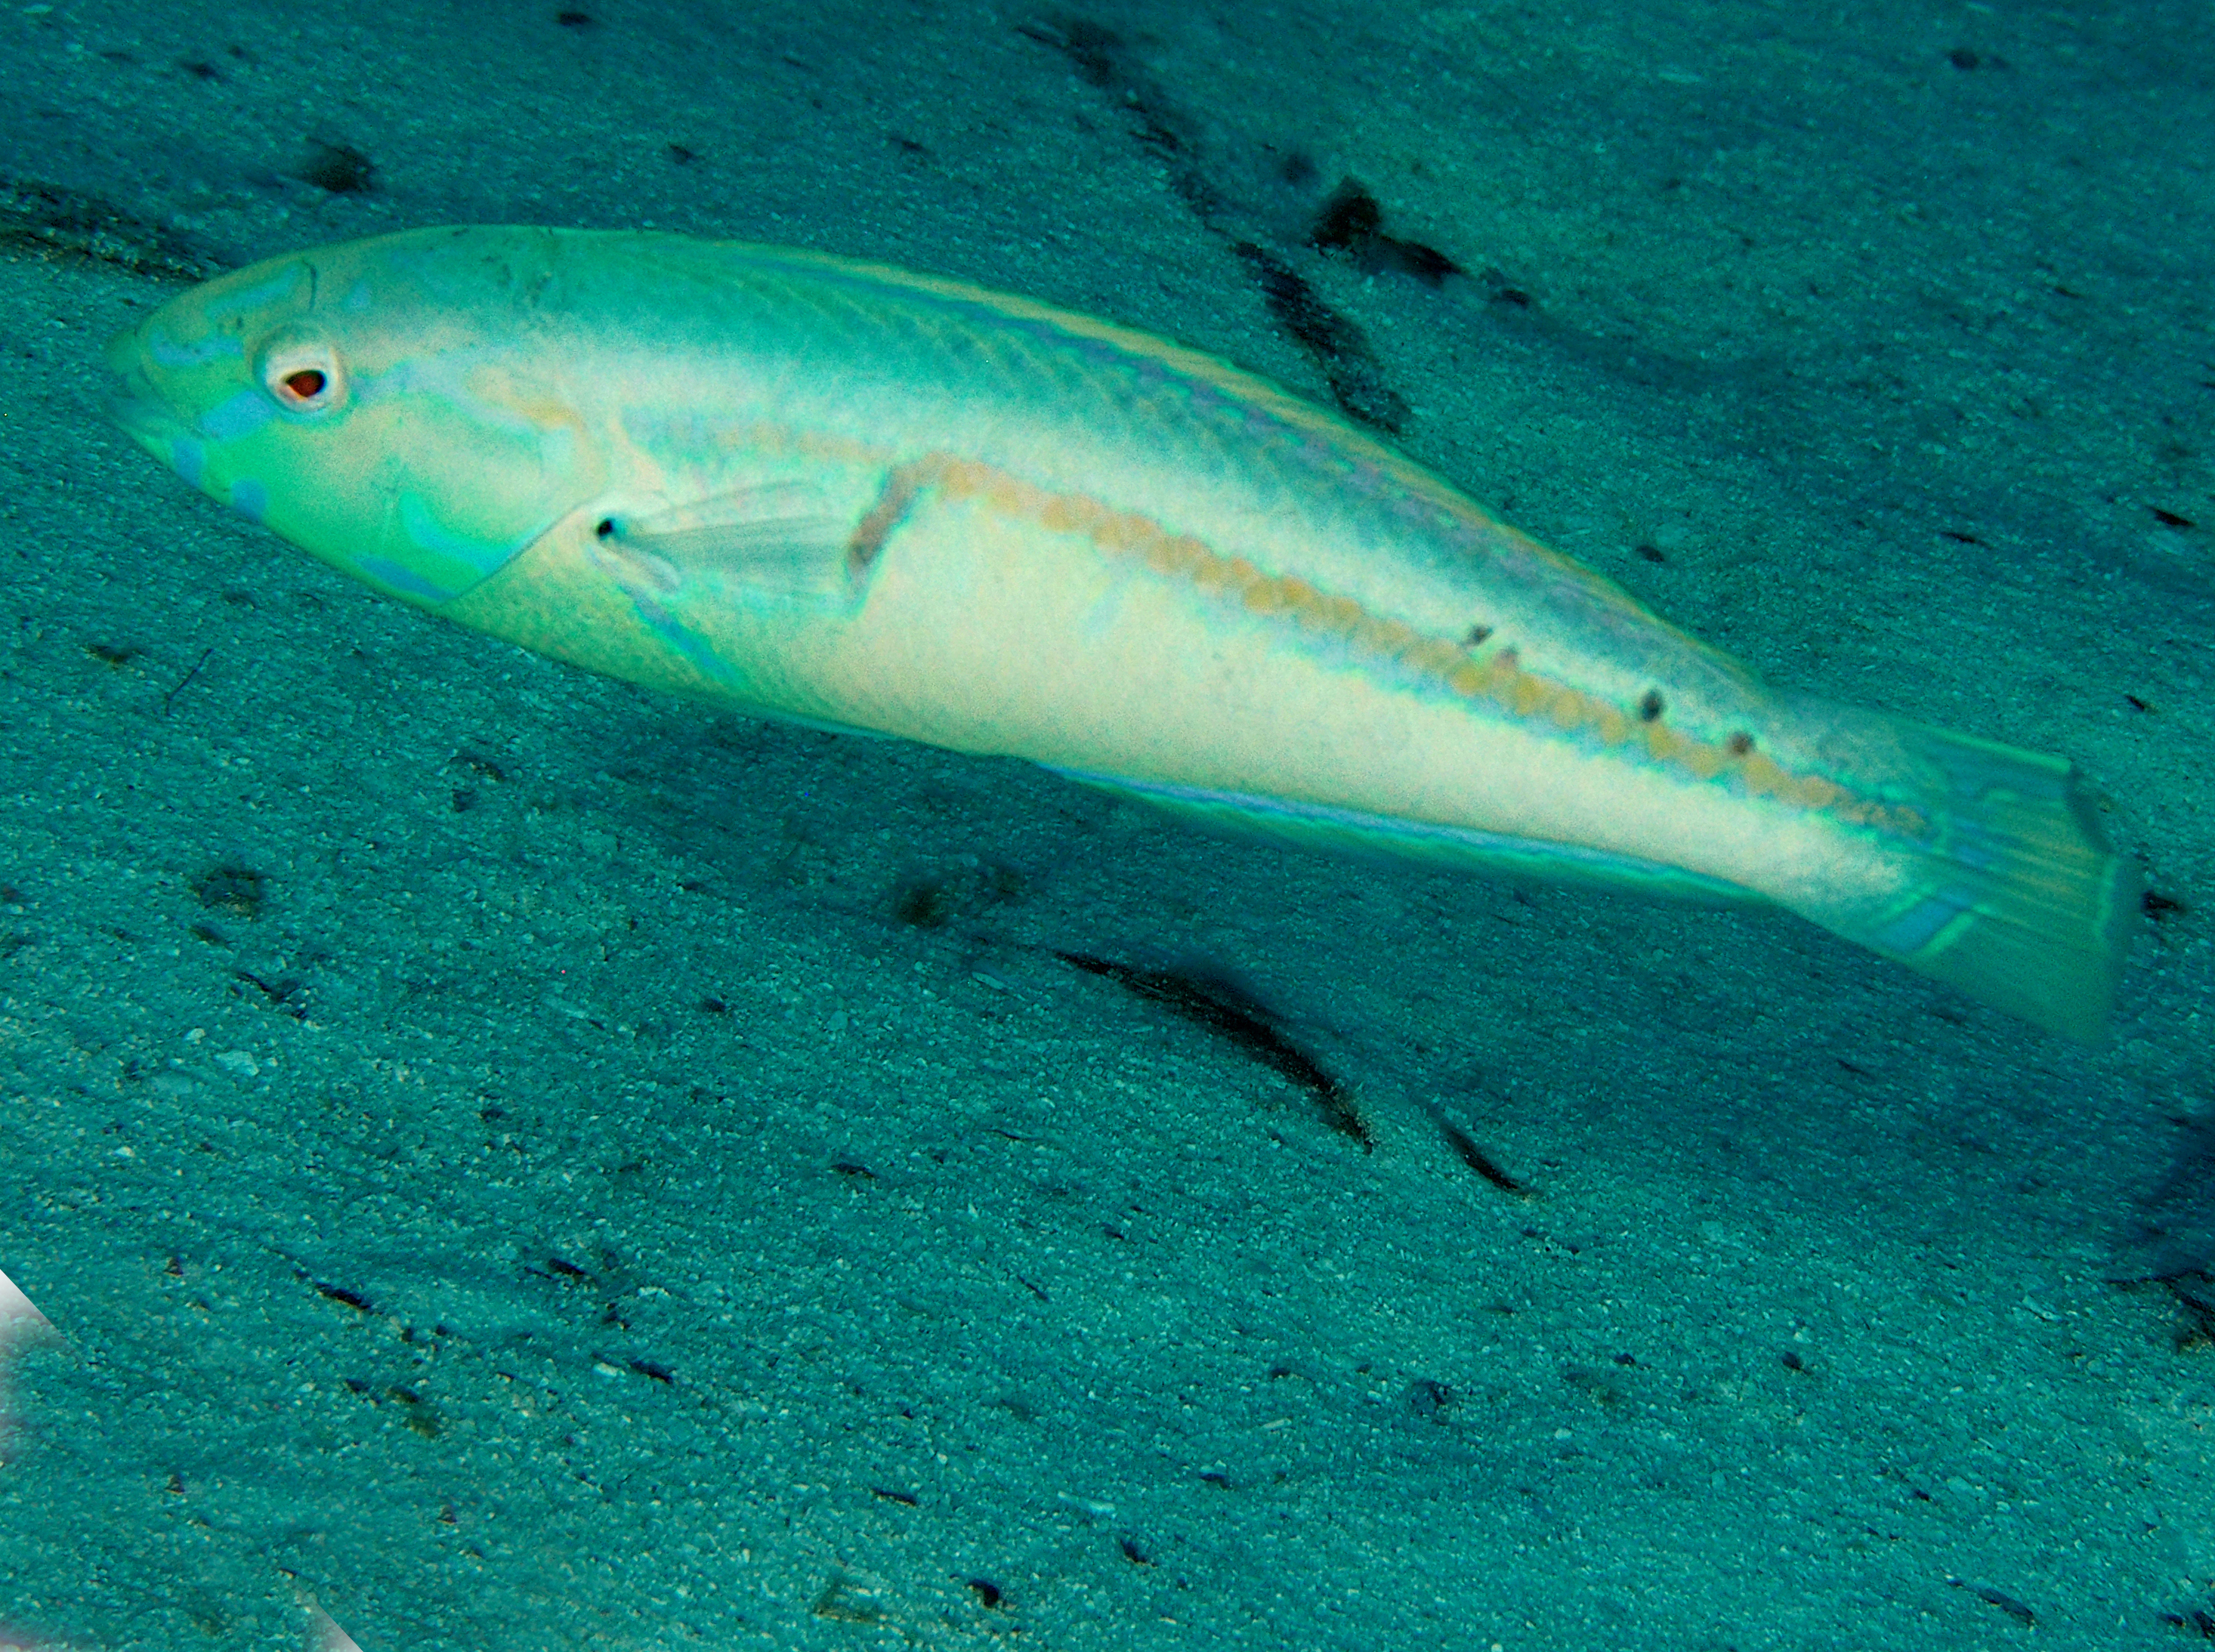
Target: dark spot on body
column 1739, row 743
column 1649, row 706
column 1476, row 633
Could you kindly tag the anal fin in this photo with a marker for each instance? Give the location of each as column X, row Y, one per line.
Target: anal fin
column 1349, row 831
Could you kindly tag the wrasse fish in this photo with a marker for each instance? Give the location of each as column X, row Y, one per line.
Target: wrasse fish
column 858, row 497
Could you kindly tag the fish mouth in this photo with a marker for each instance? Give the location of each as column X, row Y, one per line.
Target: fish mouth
column 133, row 403
column 145, row 420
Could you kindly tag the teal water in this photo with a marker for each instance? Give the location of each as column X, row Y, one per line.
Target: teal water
column 506, row 1161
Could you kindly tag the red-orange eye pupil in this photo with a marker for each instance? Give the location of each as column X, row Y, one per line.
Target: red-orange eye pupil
column 307, row 384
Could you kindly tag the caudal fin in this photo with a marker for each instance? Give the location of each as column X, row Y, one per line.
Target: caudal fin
column 2014, row 896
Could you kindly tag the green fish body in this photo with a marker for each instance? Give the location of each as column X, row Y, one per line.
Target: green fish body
column 845, row 495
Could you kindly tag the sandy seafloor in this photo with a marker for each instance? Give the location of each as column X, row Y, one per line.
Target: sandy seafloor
column 499, row 1160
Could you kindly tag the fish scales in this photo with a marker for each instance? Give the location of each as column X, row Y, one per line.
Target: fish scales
column 861, row 498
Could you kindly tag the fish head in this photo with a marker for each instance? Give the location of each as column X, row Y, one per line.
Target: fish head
column 389, row 405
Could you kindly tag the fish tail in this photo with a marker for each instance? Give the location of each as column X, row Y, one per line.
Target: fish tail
column 2010, row 891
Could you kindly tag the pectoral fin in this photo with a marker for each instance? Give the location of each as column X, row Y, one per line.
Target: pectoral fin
column 786, row 539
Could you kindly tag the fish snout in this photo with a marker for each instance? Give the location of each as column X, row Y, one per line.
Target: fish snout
column 124, row 353
column 132, row 401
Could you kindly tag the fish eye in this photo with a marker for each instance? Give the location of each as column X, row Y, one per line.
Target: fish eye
column 305, row 376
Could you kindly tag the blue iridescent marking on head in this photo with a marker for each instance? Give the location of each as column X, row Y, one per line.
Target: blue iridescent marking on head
column 450, row 561
column 400, row 579
column 238, row 415
column 189, row 459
